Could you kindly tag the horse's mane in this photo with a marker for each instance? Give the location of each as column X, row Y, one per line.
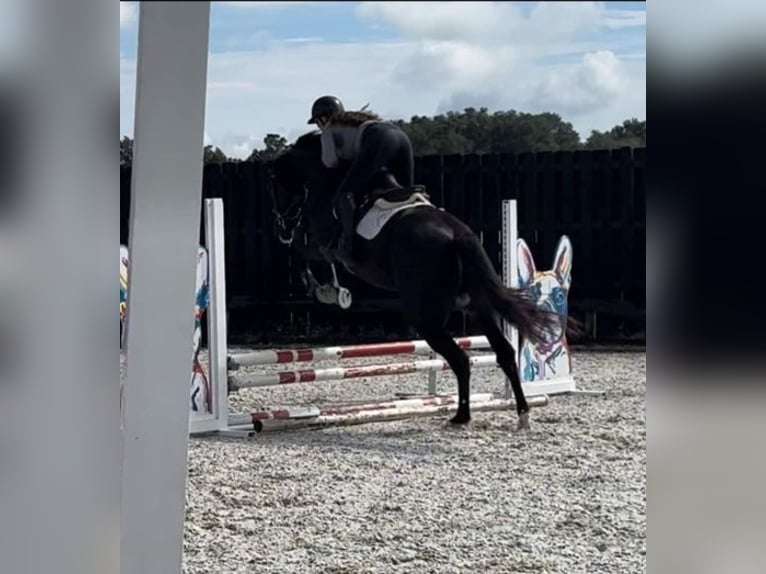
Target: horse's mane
column 310, row 142
column 353, row 118
column 306, row 154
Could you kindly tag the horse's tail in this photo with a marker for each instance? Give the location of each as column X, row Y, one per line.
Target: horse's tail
column 488, row 293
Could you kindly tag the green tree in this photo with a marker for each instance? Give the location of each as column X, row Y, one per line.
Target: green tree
column 470, row 131
column 214, row 155
column 630, row 133
column 274, row 144
column 515, row 132
column 478, row 131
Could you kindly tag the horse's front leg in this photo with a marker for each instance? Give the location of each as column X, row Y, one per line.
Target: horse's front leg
column 309, row 281
column 323, row 292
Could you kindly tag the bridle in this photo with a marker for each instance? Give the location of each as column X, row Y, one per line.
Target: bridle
column 290, row 219
column 292, row 215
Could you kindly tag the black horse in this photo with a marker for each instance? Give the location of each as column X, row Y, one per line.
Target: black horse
column 429, row 257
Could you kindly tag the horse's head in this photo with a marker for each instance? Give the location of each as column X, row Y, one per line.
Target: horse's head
column 290, row 175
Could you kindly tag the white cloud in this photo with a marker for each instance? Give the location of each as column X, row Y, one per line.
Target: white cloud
column 301, row 40
column 128, row 13
column 484, row 53
column 254, row 93
column 446, row 21
column 562, row 21
column 597, row 92
column 618, row 19
column 452, row 55
column 598, row 80
column 450, row 66
column 491, row 22
column 242, row 146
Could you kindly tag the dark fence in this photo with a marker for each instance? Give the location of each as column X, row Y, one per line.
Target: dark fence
column 597, row 198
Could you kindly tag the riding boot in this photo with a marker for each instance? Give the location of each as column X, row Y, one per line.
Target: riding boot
column 344, row 211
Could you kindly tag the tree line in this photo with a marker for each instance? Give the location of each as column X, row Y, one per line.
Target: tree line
column 469, row 131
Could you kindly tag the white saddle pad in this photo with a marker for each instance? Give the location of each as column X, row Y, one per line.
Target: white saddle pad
column 380, row 212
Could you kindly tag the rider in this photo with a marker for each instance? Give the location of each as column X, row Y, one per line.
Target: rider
column 371, row 144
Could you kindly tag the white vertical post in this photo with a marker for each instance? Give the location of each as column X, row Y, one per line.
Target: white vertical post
column 217, row 327
column 217, row 344
column 510, row 234
column 165, row 214
column 433, row 376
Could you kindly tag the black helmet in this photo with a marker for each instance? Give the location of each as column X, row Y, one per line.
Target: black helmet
column 326, row 106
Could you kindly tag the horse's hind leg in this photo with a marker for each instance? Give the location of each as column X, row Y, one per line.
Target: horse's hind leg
column 441, row 342
column 427, row 308
column 506, row 358
column 428, row 285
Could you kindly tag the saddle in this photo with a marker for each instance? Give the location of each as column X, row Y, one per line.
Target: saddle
column 391, row 198
column 375, row 209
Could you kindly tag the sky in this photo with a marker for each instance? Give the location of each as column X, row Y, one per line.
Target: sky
column 268, row 61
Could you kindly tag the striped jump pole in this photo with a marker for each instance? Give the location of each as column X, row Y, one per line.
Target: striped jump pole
column 279, row 356
column 344, row 373
column 349, row 409
column 291, row 419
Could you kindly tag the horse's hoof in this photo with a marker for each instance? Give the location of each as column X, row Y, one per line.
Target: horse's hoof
column 344, row 298
column 523, row 422
column 460, row 419
column 326, row 294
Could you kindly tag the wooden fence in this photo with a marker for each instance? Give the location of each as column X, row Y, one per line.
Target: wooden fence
column 597, row 198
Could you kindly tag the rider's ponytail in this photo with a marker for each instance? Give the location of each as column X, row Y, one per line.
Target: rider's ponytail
column 354, row 119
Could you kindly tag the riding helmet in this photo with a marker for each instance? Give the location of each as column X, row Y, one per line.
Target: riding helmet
column 326, row 106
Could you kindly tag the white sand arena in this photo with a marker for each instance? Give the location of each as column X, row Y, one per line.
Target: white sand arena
column 415, row 496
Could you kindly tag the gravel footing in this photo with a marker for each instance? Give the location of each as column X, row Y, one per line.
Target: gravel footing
column 415, row 496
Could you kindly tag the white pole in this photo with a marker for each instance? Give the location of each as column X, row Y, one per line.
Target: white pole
column 217, row 328
column 510, row 234
column 165, row 215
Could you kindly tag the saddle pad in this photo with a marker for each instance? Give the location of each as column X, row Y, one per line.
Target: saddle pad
column 379, row 214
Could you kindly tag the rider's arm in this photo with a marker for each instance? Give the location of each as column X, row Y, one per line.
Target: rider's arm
column 329, row 150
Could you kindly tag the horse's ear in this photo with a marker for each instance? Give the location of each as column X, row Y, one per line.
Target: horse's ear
column 562, row 262
column 526, row 265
